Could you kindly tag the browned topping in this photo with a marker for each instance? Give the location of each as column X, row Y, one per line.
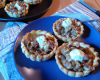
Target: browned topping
column 33, row 46
column 29, row 37
column 71, row 31
column 89, row 65
column 86, row 64
column 12, row 7
column 62, row 57
column 68, row 65
column 78, row 66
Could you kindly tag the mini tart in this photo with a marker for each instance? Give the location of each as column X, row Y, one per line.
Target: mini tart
column 32, row 2
column 16, row 9
column 70, row 65
column 2, row 3
column 71, row 33
column 39, row 45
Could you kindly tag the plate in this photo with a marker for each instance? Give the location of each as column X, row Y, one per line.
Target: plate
column 35, row 11
column 48, row 70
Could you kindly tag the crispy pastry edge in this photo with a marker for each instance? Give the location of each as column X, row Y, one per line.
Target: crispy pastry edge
column 39, row 57
column 73, row 73
column 63, row 38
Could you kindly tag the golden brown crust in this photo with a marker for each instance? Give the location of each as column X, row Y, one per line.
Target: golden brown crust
column 71, row 72
column 32, row 2
column 2, row 4
column 18, row 13
column 34, row 57
column 64, row 38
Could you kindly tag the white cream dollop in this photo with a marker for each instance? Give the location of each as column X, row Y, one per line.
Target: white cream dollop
column 66, row 23
column 77, row 54
column 17, row 6
column 43, row 44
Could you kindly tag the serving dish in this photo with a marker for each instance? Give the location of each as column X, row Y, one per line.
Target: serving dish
column 48, row 70
column 35, row 11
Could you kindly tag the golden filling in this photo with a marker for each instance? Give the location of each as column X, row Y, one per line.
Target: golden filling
column 13, row 8
column 65, row 28
column 73, row 64
column 39, row 44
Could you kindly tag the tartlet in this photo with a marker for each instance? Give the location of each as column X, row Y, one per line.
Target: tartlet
column 2, row 3
column 32, row 2
column 68, row 29
column 39, row 45
column 76, row 59
column 16, row 9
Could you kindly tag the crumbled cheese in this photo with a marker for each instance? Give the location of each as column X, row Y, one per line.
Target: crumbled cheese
column 42, row 43
column 77, row 54
column 17, row 6
column 66, row 23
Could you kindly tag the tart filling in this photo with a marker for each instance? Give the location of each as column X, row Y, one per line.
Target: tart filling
column 2, row 3
column 76, row 59
column 67, row 29
column 39, row 45
column 31, row 2
column 17, row 9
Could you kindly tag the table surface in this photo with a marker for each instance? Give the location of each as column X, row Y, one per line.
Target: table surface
column 55, row 7
column 58, row 5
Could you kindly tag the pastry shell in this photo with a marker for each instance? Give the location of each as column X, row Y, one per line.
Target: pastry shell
column 32, row 2
column 73, row 73
column 39, row 58
column 2, row 4
column 16, row 14
column 64, row 38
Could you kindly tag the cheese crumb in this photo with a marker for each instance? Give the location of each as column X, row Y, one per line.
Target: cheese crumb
column 66, row 23
column 77, row 54
column 42, row 43
column 17, row 6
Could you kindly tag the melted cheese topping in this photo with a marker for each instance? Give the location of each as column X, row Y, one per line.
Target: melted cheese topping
column 43, row 44
column 66, row 23
column 77, row 54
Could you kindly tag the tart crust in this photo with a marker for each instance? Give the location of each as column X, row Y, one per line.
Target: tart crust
column 2, row 4
column 64, row 38
column 39, row 58
column 32, row 2
column 73, row 73
column 18, row 13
